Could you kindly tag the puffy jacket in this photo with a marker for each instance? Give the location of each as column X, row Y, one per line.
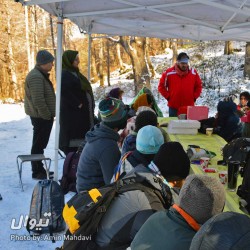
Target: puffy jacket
column 180, row 91
column 40, row 99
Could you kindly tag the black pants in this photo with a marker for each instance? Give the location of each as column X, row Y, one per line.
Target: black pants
column 41, row 134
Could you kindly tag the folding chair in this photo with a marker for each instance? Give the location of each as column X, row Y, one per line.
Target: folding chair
column 33, row 157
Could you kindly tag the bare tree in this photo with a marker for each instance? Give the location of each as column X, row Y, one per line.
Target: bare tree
column 228, row 48
column 247, row 61
column 150, row 65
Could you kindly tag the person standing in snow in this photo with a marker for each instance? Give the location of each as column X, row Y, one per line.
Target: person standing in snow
column 180, row 85
column 77, row 102
column 39, row 104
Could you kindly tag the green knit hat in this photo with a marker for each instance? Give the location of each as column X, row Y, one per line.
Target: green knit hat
column 113, row 112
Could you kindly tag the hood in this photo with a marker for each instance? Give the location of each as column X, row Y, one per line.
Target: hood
column 227, row 107
column 101, row 131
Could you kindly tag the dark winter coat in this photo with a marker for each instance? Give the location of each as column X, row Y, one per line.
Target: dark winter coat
column 228, row 123
column 99, row 158
column 74, row 121
column 164, row 230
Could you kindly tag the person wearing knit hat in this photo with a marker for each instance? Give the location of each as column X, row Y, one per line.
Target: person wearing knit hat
column 77, row 102
column 200, row 198
column 113, row 113
column 227, row 231
column 148, row 141
column 172, row 162
column 39, row 104
column 142, row 119
column 44, row 57
column 101, row 153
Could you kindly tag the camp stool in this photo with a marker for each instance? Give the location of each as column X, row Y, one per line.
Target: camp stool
column 33, row 157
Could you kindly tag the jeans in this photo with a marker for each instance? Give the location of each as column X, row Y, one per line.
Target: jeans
column 172, row 112
column 41, row 133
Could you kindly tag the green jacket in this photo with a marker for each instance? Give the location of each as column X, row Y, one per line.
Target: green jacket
column 164, row 230
column 40, row 99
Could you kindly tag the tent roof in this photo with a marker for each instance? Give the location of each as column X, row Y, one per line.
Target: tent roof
column 190, row 19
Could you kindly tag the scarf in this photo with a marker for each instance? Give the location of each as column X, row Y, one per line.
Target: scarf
column 67, row 60
column 180, row 72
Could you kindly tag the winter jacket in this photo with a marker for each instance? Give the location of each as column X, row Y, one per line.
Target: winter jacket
column 228, row 123
column 164, row 230
column 74, row 121
column 180, row 91
column 40, row 99
column 127, row 213
column 98, row 158
column 129, row 143
column 246, row 125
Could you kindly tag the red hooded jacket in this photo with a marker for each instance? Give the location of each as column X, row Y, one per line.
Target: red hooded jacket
column 180, row 91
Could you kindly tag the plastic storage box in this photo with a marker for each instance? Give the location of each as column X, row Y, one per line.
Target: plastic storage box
column 197, row 112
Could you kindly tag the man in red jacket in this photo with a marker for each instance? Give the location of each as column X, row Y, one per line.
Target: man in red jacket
column 180, row 85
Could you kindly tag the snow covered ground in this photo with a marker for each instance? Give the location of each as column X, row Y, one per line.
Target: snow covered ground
column 223, row 76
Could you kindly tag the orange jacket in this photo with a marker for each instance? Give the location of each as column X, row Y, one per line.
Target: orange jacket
column 180, row 91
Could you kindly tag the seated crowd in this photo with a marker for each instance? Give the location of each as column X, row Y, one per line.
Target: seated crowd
column 183, row 211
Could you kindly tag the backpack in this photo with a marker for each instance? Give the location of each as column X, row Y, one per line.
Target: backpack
column 68, row 181
column 46, row 208
column 236, row 150
column 243, row 190
column 85, row 210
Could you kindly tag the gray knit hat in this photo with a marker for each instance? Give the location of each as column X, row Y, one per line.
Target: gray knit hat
column 113, row 112
column 202, row 197
column 44, row 57
column 227, row 231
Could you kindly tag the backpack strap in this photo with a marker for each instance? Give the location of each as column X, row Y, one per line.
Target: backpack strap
column 117, row 172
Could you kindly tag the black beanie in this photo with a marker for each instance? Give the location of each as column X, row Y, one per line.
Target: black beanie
column 172, row 160
column 145, row 118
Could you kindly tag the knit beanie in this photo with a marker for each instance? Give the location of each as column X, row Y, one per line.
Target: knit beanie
column 149, row 139
column 113, row 112
column 172, row 160
column 227, row 231
column 44, row 57
column 145, row 118
column 202, row 197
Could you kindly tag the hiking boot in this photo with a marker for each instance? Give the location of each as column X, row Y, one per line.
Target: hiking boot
column 39, row 176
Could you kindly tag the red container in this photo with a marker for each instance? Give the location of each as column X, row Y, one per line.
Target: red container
column 197, row 112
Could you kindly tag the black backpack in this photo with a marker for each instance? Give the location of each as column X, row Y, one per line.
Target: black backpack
column 46, row 208
column 243, row 190
column 236, row 150
column 85, row 210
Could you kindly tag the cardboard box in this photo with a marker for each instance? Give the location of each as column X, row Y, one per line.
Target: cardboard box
column 187, row 127
column 197, row 112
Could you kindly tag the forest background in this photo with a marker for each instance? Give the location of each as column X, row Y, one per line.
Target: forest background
column 25, row 30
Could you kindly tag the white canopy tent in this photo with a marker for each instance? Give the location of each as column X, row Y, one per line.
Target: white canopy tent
column 190, row 19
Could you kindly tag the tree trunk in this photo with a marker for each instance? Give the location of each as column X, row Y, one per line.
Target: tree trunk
column 100, row 68
column 247, row 61
column 94, row 75
column 52, row 35
column 119, row 58
column 135, row 47
column 14, row 90
column 150, row 65
column 108, row 63
column 27, row 31
column 228, row 48
column 175, row 53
